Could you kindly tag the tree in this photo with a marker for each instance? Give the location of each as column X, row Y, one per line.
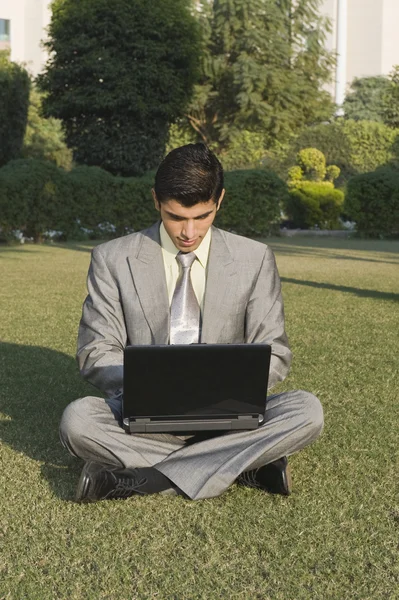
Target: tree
column 119, row 73
column 14, row 101
column 365, row 99
column 44, row 138
column 263, row 69
column 391, row 100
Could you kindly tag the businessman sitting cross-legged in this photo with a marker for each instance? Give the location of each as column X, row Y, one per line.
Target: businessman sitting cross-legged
column 182, row 281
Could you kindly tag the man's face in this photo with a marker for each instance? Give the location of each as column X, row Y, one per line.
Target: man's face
column 187, row 227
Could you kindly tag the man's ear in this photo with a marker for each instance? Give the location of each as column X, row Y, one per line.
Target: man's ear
column 156, row 203
column 221, row 198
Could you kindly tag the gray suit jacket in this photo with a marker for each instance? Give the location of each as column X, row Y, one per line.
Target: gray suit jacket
column 128, row 303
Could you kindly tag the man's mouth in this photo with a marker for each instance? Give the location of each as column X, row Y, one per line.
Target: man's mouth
column 187, row 242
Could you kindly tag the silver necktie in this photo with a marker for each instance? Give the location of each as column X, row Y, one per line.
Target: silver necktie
column 185, row 312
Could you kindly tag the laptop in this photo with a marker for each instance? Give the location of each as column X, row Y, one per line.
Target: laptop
column 196, row 387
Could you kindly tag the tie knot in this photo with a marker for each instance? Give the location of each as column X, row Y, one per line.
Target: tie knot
column 186, row 259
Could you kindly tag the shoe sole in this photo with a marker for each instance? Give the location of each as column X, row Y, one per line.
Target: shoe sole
column 287, row 479
column 83, row 486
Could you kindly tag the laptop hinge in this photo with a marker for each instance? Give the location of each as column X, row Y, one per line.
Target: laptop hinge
column 147, row 425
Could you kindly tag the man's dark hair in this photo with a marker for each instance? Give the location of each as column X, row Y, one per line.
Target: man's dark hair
column 189, row 174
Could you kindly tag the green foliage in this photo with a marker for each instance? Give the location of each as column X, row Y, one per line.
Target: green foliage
column 44, row 138
column 354, row 146
column 33, row 197
column 247, row 150
column 263, row 70
column 311, row 166
column 180, row 134
column 372, row 200
column 119, row 73
column 92, row 195
column 252, row 203
column 295, row 174
column 109, row 206
column 312, row 199
column 391, row 100
column 332, row 173
column 14, row 101
column 365, row 100
column 14, row 203
column 89, row 202
column 312, row 163
column 37, row 197
column 312, row 204
column 133, row 207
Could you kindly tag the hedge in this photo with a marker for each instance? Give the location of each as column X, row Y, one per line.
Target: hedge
column 253, row 202
column 372, row 200
column 37, row 197
column 33, row 198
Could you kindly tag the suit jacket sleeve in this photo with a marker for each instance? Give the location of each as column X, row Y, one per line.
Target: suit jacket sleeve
column 102, row 332
column 265, row 318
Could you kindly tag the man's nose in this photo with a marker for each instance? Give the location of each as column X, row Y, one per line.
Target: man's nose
column 189, row 229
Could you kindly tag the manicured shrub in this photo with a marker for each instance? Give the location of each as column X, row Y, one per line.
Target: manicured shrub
column 34, row 197
column 312, row 163
column 311, row 204
column 14, row 204
column 372, row 200
column 133, row 207
column 93, row 193
column 313, row 200
column 253, row 202
column 332, row 173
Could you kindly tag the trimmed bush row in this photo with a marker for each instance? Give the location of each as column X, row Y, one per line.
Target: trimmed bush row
column 37, row 197
column 372, row 200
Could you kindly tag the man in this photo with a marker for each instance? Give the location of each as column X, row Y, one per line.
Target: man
column 182, row 280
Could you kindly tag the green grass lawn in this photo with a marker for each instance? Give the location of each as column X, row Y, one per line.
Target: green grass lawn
column 335, row 538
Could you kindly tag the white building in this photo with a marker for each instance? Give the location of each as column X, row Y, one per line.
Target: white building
column 22, row 27
column 367, row 35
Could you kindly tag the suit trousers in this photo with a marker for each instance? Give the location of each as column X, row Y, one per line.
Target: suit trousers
column 202, row 466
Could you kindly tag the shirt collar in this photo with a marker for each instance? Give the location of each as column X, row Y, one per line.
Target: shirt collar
column 202, row 252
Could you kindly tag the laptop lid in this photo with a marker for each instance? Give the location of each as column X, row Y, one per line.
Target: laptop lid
column 198, row 381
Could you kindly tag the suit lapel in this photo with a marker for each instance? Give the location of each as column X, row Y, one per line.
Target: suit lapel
column 148, row 272
column 220, row 284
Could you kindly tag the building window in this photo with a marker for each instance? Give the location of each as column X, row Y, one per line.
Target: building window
column 4, row 30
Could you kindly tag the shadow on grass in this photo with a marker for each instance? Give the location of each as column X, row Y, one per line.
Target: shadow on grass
column 77, row 247
column 343, row 288
column 8, row 251
column 319, row 252
column 312, row 243
column 36, row 385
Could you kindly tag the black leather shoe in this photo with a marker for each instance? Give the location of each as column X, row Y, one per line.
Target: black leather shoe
column 99, row 482
column 274, row 478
